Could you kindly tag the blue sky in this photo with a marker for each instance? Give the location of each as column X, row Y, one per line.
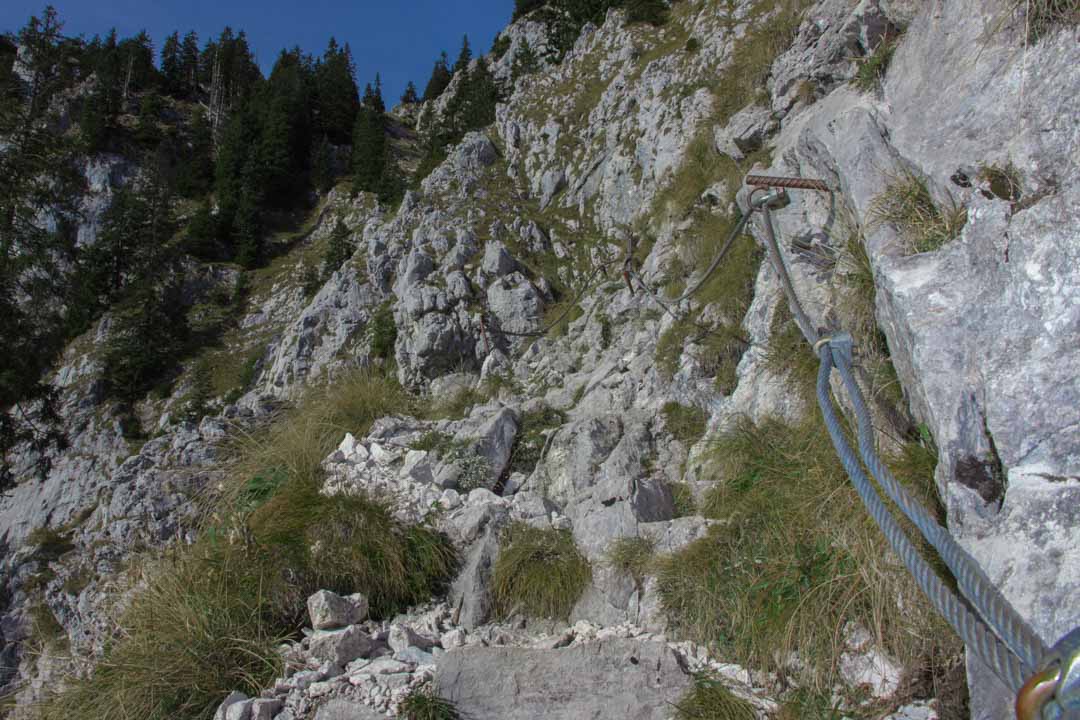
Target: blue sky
column 400, row 40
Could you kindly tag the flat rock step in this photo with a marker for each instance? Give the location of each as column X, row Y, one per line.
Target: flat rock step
column 612, row 679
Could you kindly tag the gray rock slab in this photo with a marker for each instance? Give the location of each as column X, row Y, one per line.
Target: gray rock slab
column 342, row 709
column 615, row 679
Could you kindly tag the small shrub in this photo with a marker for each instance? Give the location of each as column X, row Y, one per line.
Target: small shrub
column 686, row 423
column 692, row 45
column 1005, row 181
column 50, row 544
column 872, row 69
column 383, row 332
column 683, row 498
column 425, row 704
column 474, row 470
column 710, row 700
column 529, row 444
column 434, row 441
column 500, row 46
column 539, row 572
column 633, row 556
column 906, row 204
column 654, row 12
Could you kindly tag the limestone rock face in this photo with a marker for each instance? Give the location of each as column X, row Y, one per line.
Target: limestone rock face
column 610, row 679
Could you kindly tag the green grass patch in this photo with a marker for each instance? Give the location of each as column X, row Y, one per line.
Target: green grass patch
column 907, row 205
column 438, row 442
column 789, row 355
column 873, row 67
column 539, row 573
column 686, row 423
column 709, row 699
column 425, row 704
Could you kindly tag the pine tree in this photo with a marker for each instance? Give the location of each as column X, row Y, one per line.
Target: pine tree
column 41, row 40
column 440, row 78
column 195, row 171
column 94, row 122
column 322, row 165
column 410, row 97
column 189, row 64
column 369, row 142
column 525, row 62
column 336, row 97
column 464, row 57
column 339, row 249
column 171, row 67
column 146, row 338
column 524, row 7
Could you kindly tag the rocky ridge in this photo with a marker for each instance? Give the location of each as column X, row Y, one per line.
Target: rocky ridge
column 982, row 334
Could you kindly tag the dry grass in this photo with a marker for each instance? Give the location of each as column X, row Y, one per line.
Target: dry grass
column 633, row 556
column 1047, row 16
column 794, row 560
column 539, row 573
column 211, row 615
column 907, row 205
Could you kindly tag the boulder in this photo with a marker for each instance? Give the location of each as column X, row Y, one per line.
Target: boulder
column 329, row 610
column 339, row 647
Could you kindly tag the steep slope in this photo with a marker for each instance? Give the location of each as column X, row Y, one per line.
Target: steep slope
column 674, row 448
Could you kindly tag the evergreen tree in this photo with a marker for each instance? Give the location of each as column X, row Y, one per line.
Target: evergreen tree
column 440, row 78
column 336, row 97
column 322, row 165
column 41, row 41
column 137, row 56
column 248, row 229
column 524, row 7
column 525, row 62
column 189, row 64
column 172, row 73
column 410, row 97
column 202, row 234
column 338, row 249
column 369, row 142
column 195, row 170
column 36, row 173
column 94, row 122
column 464, row 57
column 146, row 338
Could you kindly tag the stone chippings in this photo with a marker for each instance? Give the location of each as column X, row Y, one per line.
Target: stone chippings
column 982, row 332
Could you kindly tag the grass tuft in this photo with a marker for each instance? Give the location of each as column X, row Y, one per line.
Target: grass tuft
column 794, row 559
column 529, row 444
column 906, row 204
column 424, row 704
column 873, row 67
column 1047, row 16
column 633, row 556
column 539, row 572
column 683, row 497
column 708, row 699
column 686, row 423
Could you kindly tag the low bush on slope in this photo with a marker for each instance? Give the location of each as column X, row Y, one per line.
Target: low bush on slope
column 210, row 615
